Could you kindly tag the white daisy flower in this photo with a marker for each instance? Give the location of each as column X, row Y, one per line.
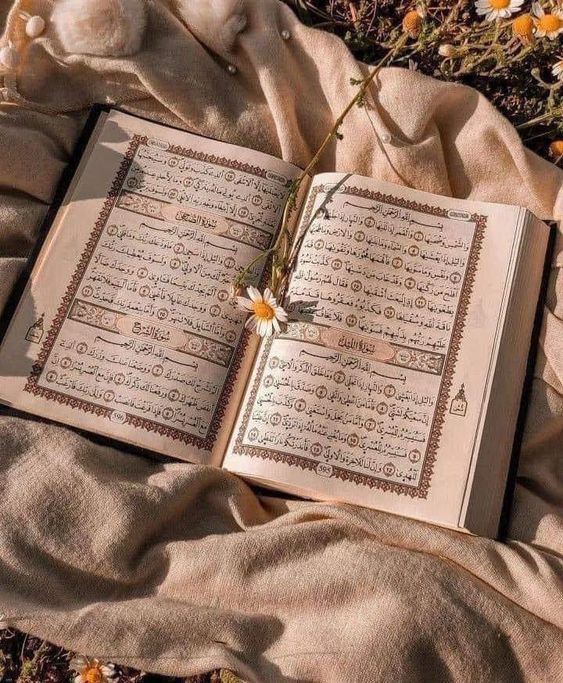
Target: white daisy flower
column 548, row 25
column 498, row 9
column 557, row 69
column 91, row 670
column 266, row 314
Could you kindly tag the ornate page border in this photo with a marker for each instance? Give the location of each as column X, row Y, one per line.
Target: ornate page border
column 32, row 386
column 420, row 491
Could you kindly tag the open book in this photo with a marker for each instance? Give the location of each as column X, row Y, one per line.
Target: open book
column 397, row 381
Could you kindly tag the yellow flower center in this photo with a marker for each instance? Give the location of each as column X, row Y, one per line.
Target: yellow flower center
column 92, row 674
column 499, row 4
column 263, row 310
column 412, row 22
column 549, row 23
column 556, row 148
column 523, row 25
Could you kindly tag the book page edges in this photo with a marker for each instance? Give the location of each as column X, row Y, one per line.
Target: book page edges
column 485, row 491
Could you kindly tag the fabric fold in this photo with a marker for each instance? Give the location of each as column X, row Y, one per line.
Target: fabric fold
column 180, row 569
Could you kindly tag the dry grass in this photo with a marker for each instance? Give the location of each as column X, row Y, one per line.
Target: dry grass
column 24, row 659
column 516, row 76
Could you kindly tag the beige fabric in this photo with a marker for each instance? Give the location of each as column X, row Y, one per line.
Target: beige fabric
column 179, row 569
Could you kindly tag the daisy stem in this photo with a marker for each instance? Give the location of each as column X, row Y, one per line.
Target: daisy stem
column 454, row 13
column 558, row 111
column 489, row 49
column 290, row 204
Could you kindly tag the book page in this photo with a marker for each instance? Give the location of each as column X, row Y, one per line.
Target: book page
column 374, row 392
column 126, row 327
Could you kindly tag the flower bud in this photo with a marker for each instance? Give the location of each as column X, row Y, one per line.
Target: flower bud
column 556, row 149
column 447, row 50
column 412, row 23
column 523, row 28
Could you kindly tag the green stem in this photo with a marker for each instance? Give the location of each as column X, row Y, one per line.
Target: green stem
column 329, row 137
column 493, row 45
column 540, row 119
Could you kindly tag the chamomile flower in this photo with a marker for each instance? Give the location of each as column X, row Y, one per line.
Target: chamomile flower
column 523, row 29
column 556, row 150
column 91, row 670
column 557, row 69
column 498, row 9
column 266, row 314
column 412, row 22
column 548, row 25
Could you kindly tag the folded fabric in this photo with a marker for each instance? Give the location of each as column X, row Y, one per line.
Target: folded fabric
column 179, row 569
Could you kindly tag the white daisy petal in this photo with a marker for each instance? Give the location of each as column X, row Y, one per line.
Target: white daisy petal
column 268, row 295
column 491, row 12
column 537, row 9
column 254, row 294
column 78, row 662
column 266, row 318
column 78, row 679
column 244, row 303
column 250, row 324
